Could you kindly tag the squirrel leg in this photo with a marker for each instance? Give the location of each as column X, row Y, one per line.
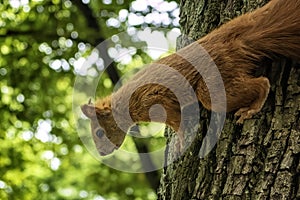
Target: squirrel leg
column 255, row 89
column 245, row 94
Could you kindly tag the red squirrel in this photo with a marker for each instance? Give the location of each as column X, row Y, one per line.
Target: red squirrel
column 237, row 48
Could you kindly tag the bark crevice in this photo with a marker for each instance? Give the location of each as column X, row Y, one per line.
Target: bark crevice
column 259, row 160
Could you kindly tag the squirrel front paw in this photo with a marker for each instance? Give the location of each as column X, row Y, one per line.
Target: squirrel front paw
column 180, row 143
column 257, row 89
column 245, row 113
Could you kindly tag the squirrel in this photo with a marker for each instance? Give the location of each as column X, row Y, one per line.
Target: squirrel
column 237, row 48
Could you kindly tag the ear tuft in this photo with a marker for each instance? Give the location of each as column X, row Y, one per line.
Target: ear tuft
column 88, row 110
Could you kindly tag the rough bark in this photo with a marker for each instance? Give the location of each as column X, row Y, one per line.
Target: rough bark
column 259, row 160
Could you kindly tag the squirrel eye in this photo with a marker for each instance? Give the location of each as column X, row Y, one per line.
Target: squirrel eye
column 100, row 133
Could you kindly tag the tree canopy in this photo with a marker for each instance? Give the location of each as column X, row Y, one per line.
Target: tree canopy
column 43, row 45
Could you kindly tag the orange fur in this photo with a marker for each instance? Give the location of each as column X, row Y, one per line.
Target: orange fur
column 237, row 48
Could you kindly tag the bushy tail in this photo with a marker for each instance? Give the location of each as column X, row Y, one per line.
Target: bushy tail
column 277, row 29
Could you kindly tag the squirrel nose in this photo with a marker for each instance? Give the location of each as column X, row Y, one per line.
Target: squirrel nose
column 103, row 153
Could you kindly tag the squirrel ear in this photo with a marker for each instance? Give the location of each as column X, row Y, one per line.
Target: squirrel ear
column 88, row 110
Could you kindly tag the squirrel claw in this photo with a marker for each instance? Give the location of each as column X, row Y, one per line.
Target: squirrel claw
column 245, row 113
column 180, row 143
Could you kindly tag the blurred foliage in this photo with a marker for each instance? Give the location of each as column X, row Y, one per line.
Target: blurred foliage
column 42, row 47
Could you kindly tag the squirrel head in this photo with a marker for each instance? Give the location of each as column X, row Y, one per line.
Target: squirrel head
column 106, row 133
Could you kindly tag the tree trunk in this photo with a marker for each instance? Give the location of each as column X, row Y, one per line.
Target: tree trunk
column 259, row 160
